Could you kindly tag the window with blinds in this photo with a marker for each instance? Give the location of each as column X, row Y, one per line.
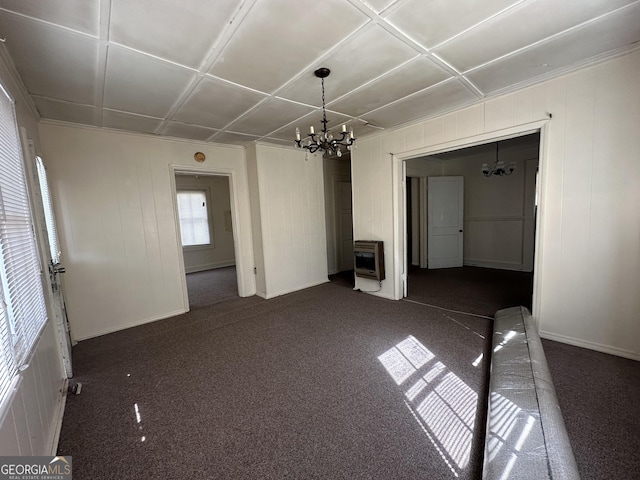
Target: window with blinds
column 194, row 218
column 22, row 308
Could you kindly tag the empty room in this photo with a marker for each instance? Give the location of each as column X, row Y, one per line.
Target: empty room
column 341, row 239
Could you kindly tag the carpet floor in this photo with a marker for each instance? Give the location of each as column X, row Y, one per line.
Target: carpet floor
column 322, row 383
column 328, row 383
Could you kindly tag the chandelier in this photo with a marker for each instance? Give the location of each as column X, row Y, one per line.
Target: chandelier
column 325, row 141
column 498, row 168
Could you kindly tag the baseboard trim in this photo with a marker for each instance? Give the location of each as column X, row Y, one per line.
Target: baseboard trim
column 517, row 267
column 598, row 347
column 132, row 324
column 209, row 266
column 59, row 417
column 284, row 292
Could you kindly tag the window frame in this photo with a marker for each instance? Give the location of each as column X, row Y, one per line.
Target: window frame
column 23, row 308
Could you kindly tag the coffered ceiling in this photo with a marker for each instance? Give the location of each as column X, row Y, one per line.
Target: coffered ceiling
column 239, row 71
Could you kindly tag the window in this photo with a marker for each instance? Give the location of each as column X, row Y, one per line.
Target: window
column 22, row 308
column 194, row 219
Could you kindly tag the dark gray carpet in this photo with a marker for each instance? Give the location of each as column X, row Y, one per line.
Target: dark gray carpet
column 212, row 286
column 599, row 396
column 482, row 291
column 293, row 388
column 286, row 388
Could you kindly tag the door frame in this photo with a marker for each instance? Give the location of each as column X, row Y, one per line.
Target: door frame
column 400, row 286
column 235, row 222
column 56, row 313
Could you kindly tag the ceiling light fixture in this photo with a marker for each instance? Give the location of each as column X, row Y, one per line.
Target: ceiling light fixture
column 324, row 140
column 498, row 168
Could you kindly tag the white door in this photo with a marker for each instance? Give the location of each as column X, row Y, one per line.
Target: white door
column 345, row 225
column 48, row 239
column 445, row 222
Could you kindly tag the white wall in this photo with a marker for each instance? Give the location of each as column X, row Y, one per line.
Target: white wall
column 220, row 252
column 291, row 217
column 499, row 212
column 588, row 255
column 31, row 416
column 115, row 204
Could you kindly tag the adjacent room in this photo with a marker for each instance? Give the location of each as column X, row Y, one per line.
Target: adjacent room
column 296, row 239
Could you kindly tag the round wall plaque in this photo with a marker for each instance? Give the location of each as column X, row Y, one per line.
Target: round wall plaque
column 199, row 156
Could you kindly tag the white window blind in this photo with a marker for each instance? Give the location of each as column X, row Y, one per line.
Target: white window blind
column 22, row 308
column 194, row 220
column 52, row 233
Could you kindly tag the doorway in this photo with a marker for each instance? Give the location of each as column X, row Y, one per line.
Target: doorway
column 339, row 216
column 207, row 238
column 499, row 224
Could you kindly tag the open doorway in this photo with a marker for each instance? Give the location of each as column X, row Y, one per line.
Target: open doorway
column 339, row 218
column 497, row 232
column 206, row 234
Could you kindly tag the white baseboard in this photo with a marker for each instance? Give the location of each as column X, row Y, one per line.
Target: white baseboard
column 209, row 266
column 598, row 347
column 518, row 267
column 291, row 290
column 106, row 331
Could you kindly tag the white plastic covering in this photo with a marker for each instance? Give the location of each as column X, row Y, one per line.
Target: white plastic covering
column 526, row 435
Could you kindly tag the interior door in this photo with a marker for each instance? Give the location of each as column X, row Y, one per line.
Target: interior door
column 49, row 249
column 445, row 222
column 345, row 224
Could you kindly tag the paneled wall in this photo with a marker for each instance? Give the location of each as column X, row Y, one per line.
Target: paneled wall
column 588, row 251
column 220, row 252
column 117, row 221
column 32, row 419
column 499, row 212
column 290, row 195
column 31, row 415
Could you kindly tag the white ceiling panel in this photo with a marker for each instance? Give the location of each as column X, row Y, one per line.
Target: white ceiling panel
column 183, row 130
column 68, row 112
column 410, row 78
column 234, row 71
column 430, row 23
column 368, row 55
column 36, row 50
column 128, row 84
column 216, row 104
column 278, row 38
column 609, row 33
column 130, row 122
column 80, row 15
column 430, row 102
column 232, row 138
column 379, row 5
column 182, row 31
column 504, row 33
column 268, row 116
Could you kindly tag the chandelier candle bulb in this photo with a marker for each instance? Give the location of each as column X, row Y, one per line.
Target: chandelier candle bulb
column 311, row 130
column 297, row 133
column 344, row 128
